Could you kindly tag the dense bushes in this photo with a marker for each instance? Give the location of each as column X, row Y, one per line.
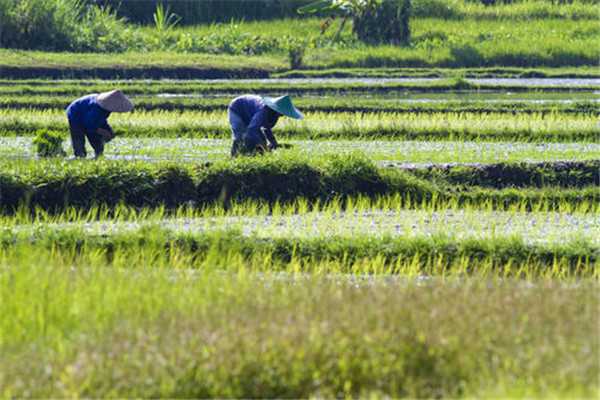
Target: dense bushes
column 387, row 23
column 208, row 11
column 60, row 25
column 564, row 174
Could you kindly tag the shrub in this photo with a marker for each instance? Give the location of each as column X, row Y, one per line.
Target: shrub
column 48, row 144
column 375, row 21
column 385, row 23
column 295, row 50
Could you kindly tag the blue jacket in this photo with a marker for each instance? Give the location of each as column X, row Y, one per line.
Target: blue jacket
column 253, row 111
column 87, row 113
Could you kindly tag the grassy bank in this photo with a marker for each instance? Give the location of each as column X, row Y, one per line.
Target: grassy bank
column 56, row 185
column 36, row 64
column 33, row 65
column 155, row 329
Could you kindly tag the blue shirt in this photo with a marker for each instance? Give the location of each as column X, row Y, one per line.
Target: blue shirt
column 255, row 114
column 86, row 112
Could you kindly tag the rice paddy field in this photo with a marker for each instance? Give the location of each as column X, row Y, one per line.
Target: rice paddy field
column 413, row 238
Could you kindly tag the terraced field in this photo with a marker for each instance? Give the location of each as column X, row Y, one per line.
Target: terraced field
column 422, row 238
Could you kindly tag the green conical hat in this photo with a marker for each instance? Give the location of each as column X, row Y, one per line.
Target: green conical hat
column 283, row 105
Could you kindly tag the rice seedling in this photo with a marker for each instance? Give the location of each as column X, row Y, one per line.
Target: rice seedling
column 458, row 225
column 401, row 154
column 406, row 102
column 432, row 126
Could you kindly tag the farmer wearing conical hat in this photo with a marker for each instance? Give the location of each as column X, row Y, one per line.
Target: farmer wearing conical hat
column 88, row 118
column 252, row 119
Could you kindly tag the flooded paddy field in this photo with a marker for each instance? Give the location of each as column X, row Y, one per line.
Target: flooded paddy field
column 430, row 229
column 453, row 206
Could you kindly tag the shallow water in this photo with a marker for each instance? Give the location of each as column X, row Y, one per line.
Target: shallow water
column 411, row 153
column 532, row 227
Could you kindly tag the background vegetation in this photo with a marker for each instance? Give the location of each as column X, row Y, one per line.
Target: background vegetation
column 521, row 34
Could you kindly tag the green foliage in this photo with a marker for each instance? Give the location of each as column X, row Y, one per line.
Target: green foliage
column 164, row 19
column 210, row 11
column 375, row 21
column 295, row 51
column 60, row 25
column 49, row 144
column 435, row 42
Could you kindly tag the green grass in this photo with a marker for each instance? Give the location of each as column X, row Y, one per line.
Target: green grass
column 34, row 64
column 156, row 329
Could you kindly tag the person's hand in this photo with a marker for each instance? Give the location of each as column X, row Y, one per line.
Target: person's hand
column 107, row 135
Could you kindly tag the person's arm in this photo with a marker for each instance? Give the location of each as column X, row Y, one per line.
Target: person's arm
column 256, row 127
column 106, row 131
column 268, row 132
column 96, row 122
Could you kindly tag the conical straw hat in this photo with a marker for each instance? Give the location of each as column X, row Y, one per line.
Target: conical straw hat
column 114, row 101
column 283, row 105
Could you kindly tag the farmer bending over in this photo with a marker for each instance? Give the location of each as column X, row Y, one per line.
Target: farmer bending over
column 252, row 118
column 87, row 118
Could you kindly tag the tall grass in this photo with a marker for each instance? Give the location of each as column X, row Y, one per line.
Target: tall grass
column 156, row 329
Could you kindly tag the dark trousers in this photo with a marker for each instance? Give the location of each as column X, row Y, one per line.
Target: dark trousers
column 78, row 135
